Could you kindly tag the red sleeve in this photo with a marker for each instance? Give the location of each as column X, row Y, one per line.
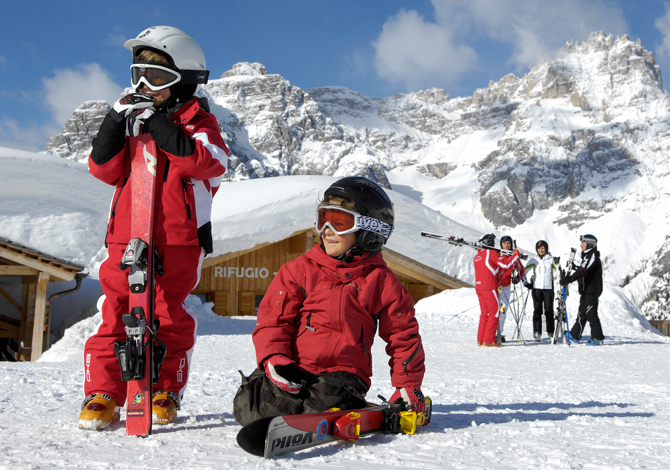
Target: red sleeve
column 399, row 328
column 210, row 158
column 276, row 315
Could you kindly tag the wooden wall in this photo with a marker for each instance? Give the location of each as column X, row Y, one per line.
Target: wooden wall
column 234, row 283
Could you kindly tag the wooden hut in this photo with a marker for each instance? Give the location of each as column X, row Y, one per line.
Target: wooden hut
column 236, row 282
column 25, row 326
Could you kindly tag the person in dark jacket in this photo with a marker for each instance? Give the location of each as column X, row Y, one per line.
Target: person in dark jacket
column 589, row 274
column 319, row 317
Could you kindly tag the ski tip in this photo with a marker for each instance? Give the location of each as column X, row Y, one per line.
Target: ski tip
column 251, row 437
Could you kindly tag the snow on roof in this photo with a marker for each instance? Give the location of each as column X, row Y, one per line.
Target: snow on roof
column 247, row 213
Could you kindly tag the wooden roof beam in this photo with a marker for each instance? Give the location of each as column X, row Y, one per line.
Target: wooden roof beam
column 59, row 273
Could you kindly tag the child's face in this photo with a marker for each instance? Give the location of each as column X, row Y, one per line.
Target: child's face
column 335, row 244
column 160, row 96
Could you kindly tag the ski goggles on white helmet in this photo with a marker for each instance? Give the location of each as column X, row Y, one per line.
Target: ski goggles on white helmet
column 154, row 76
column 343, row 221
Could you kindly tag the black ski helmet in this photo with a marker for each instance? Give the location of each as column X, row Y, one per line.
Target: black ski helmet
column 506, row 238
column 183, row 51
column 370, row 200
column 541, row 243
column 489, row 240
column 591, row 241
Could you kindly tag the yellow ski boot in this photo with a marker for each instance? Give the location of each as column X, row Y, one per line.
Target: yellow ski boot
column 98, row 411
column 164, row 406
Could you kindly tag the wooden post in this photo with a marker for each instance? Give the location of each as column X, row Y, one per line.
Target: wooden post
column 40, row 308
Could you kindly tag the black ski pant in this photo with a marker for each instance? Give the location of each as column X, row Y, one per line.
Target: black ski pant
column 258, row 397
column 588, row 311
column 543, row 299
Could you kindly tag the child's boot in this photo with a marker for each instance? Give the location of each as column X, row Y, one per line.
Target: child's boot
column 164, row 407
column 98, row 411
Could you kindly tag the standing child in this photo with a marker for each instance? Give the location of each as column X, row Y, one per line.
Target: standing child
column 509, row 276
column 318, row 319
column 488, row 271
column 168, row 66
column 542, row 284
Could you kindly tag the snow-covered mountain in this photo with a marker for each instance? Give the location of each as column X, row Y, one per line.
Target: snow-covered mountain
column 575, row 146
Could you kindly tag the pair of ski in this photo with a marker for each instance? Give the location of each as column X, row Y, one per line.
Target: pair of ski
column 274, row 436
column 561, row 316
column 452, row 240
column 142, row 353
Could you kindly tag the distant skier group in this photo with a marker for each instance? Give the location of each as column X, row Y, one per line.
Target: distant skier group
column 494, row 275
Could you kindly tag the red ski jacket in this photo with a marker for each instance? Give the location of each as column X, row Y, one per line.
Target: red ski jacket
column 323, row 314
column 489, row 268
column 192, row 158
column 506, row 278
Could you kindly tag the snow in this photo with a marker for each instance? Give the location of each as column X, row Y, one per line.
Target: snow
column 526, row 405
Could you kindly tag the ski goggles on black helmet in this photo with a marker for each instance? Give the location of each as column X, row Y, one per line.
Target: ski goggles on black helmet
column 343, row 221
column 156, row 77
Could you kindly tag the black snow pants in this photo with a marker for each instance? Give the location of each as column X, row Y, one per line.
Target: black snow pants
column 258, row 397
column 588, row 311
column 543, row 298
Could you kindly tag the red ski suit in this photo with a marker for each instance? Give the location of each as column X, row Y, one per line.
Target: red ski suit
column 323, row 314
column 182, row 234
column 506, row 278
column 488, row 271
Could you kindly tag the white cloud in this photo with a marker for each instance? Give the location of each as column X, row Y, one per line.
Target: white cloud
column 535, row 30
column 16, row 136
column 416, row 52
column 663, row 25
column 70, row 88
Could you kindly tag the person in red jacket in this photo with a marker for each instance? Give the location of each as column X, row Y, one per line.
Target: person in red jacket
column 318, row 320
column 511, row 275
column 168, row 66
column 488, row 272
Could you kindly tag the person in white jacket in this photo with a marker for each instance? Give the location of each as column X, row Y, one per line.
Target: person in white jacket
column 540, row 278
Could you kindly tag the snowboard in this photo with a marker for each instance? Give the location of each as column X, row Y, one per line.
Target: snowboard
column 136, row 354
column 274, row 436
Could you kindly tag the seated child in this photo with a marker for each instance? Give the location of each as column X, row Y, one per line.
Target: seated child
column 317, row 321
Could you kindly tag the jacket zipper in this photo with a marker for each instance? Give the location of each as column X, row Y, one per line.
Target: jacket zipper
column 188, row 206
column 409, row 359
column 366, row 349
column 110, row 226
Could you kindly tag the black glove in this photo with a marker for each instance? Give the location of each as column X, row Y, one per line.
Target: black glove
column 565, row 280
column 527, row 285
column 515, row 280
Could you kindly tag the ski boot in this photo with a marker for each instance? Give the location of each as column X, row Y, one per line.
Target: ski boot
column 571, row 338
column 164, row 406
column 538, row 337
column 98, row 411
column 491, row 345
column 595, row 342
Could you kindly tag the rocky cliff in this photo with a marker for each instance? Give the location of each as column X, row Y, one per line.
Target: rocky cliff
column 579, row 143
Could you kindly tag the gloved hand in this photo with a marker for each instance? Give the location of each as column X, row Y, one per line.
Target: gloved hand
column 133, row 102
column 515, row 280
column 528, row 285
column 412, row 397
column 136, row 119
column 274, row 367
column 564, row 281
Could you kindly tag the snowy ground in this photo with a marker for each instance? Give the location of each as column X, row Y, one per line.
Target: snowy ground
column 532, row 405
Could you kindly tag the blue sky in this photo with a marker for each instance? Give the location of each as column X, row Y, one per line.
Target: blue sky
column 55, row 55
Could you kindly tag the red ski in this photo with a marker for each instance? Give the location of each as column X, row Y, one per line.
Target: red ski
column 138, row 357
column 273, row 436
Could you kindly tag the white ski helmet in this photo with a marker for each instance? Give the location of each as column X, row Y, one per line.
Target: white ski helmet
column 186, row 54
